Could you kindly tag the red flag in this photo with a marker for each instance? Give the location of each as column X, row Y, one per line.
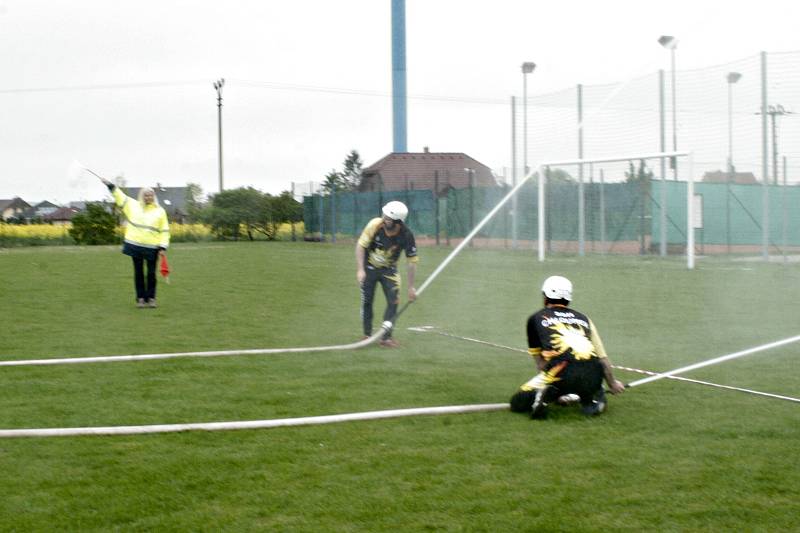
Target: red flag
column 164, row 268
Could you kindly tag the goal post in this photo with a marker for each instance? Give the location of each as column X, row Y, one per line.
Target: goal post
column 623, row 211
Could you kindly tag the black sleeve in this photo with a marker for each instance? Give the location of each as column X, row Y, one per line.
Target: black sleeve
column 411, row 244
column 111, row 187
column 533, row 334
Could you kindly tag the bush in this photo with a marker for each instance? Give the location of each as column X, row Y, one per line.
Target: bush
column 94, row 226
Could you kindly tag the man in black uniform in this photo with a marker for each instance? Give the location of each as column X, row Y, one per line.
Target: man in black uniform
column 377, row 252
column 569, row 355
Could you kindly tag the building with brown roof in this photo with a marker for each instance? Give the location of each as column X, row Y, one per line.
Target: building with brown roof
column 13, row 208
column 419, row 170
column 61, row 216
column 737, row 178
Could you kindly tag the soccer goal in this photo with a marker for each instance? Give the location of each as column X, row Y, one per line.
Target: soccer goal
column 627, row 204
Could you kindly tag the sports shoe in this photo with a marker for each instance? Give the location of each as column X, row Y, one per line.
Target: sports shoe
column 140, row 303
column 568, row 399
column 152, row 303
column 597, row 406
column 539, row 408
column 390, row 343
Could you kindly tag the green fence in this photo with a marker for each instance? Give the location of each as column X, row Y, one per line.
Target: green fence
column 622, row 217
column 731, row 214
column 455, row 214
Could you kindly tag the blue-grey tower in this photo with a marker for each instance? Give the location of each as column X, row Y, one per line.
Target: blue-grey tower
column 399, row 129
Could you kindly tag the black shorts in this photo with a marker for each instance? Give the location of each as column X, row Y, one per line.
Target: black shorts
column 583, row 378
column 140, row 252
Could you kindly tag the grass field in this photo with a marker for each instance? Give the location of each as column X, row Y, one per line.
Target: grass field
column 668, row 456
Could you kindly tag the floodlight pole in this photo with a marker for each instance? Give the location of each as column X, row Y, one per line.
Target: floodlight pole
column 671, row 43
column 581, row 191
column 527, row 68
column 732, row 77
column 514, row 200
column 218, row 86
column 662, row 244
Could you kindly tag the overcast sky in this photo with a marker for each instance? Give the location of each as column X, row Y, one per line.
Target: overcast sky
column 126, row 87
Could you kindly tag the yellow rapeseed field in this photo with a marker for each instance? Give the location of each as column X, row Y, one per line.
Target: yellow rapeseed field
column 46, row 232
column 29, row 234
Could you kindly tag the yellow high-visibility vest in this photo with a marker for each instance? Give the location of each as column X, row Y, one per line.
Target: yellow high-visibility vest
column 147, row 224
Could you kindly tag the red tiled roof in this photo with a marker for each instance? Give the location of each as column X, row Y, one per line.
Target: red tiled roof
column 401, row 171
column 740, row 178
column 62, row 213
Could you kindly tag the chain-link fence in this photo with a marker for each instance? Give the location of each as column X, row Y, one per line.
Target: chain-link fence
column 738, row 120
column 616, row 208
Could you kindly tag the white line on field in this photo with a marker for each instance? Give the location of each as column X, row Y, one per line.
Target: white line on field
column 656, row 375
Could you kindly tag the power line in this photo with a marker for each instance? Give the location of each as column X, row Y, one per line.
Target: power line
column 102, row 87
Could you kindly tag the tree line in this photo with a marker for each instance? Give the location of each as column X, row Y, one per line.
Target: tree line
column 231, row 214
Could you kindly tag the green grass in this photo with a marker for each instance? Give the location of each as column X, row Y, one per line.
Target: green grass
column 668, row 456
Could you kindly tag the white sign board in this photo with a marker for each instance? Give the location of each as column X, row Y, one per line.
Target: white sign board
column 697, row 211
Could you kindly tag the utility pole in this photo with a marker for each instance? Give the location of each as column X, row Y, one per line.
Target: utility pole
column 775, row 111
column 218, row 86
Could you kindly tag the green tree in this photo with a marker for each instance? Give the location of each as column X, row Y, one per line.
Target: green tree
column 333, row 182
column 352, row 171
column 233, row 210
column 251, row 211
column 348, row 179
column 558, row 175
column 642, row 175
column 95, row 225
column 286, row 208
column 194, row 196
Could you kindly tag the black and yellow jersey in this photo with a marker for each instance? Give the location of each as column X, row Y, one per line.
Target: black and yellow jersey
column 558, row 333
column 383, row 247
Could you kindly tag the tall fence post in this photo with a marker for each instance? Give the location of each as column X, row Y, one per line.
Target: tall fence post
column 642, row 210
column 662, row 221
column 321, row 216
column 311, row 195
column 294, row 237
column 764, row 161
column 380, row 193
column 581, row 204
column 355, row 214
column 471, row 176
column 333, row 214
column 436, row 204
column 784, row 214
column 514, row 199
column 603, row 245
column 548, row 207
column 447, row 210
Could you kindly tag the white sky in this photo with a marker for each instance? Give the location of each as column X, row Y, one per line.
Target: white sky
column 281, row 121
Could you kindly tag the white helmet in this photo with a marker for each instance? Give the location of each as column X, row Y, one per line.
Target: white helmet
column 396, row 211
column 557, row 288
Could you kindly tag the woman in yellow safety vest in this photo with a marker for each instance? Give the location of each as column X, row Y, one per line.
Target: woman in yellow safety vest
column 146, row 238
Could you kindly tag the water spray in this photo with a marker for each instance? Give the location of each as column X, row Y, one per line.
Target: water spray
column 653, row 375
column 716, row 360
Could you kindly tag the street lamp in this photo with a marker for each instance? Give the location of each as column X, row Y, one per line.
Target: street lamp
column 671, row 43
column 731, row 77
column 527, row 68
column 218, row 86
